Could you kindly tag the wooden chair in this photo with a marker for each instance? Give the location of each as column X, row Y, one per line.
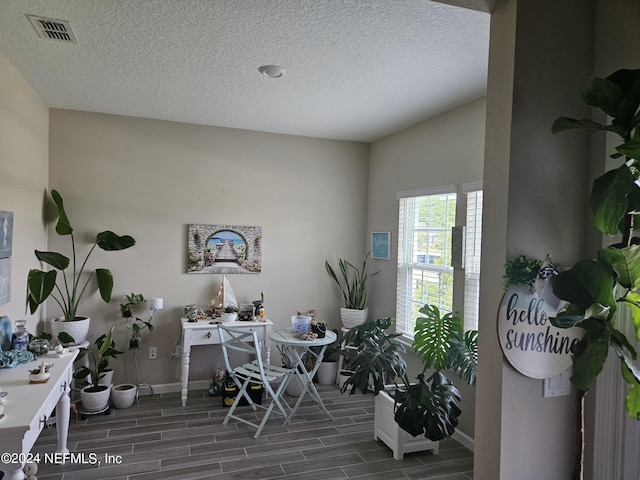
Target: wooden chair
column 272, row 378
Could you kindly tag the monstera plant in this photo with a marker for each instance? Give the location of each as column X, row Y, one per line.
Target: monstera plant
column 430, row 406
column 598, row 289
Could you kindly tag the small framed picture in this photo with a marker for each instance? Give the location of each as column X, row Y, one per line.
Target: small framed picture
column 381, row 245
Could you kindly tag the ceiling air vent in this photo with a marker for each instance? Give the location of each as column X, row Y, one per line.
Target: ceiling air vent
column 53, row 29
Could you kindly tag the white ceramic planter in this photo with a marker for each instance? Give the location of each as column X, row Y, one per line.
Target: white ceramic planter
column 107, row 377
column 123, row 395
column 294, row 388
column 95, row 401
column 387, row 430
column 352, row 318
column 229, row 317
column 327, row 372
column 78, row 329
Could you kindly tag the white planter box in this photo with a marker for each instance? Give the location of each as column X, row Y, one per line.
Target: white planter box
column 388, row 431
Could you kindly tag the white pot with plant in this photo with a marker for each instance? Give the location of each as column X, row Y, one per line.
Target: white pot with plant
column 230, row 314
column 95, row 397
column 67, row 287
column 353, row 286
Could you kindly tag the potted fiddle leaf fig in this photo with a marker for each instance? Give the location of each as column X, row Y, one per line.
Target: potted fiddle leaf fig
column 429, row 407
column 67, row 281
column 352, row 283
column 598, row 290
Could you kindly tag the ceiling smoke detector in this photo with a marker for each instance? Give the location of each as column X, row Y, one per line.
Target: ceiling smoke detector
column 272, row 71
column 53, row 29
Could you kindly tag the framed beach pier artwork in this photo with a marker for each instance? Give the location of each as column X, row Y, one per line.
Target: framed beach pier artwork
column 224, row 249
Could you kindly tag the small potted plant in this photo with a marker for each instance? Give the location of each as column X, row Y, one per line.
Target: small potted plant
column 352, row 283
column 137, row 327
column 134, row 299
column 229, row 314
column 95, row 396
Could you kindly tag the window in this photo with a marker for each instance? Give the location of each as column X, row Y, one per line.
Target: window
column 425, row 274
column 472, row 255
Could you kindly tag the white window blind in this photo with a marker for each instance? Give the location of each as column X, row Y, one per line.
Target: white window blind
column 425, row 274
column 472, row 257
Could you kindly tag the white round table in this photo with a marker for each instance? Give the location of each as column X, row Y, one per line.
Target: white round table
column 295, row 348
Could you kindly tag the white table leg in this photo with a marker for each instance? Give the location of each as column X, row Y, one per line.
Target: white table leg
column 62, row 418
column 186, row 354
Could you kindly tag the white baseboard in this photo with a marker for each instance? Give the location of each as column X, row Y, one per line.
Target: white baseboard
column 464, row 440
column 176, row 387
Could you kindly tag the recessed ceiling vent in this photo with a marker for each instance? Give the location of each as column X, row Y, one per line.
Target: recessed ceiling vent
column 53, row 29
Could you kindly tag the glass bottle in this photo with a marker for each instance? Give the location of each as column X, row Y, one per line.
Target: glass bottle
column 20, row 336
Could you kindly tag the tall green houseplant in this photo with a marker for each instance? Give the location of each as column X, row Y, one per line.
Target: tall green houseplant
column 352, row 282
column 597, row 289
column 67, row 287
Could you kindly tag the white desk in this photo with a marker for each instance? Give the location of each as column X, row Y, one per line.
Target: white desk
column 295, row 349
column 28, row 406
column 204, row 332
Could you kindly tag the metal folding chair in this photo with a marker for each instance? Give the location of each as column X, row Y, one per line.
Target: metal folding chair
column 254, row 372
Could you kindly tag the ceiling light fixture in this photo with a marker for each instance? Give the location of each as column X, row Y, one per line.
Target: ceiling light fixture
column 272, row 71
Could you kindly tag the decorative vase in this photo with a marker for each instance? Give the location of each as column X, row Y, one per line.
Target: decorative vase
column 78, row 329
column 123, row 395
column 352, row 318
column 95, row 399
column 327, row 372
column 387, row 430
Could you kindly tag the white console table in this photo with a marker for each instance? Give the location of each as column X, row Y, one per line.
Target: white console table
column 205, row 332
column 28, row 406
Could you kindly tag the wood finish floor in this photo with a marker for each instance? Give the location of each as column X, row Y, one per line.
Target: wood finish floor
column 158, row 439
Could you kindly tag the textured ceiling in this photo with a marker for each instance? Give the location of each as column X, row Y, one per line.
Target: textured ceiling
column 356, row 69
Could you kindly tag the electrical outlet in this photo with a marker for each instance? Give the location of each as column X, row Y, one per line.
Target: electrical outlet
column 153, row 353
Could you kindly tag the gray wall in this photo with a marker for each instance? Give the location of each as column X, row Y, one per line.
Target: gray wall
column 24, row 177
column 150, row 179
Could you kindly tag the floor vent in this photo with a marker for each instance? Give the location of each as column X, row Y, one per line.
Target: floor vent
column 53, row 29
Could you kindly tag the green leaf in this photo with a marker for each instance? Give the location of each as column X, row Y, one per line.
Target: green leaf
column 565, row 123
column 56, row 260
column 625, row 262
column 630, row 149
column 63, row 227
column 427, row 409
column 108, row 240
column 105, row 283
column 432, row 336
column 586, row 283
column 588, row 364
column 628, row 82
column 463, row 355
column 632, row 377
column 634, row 305
column 66, row 339
column 39, row 286
column 604, row 94
column 609, row 199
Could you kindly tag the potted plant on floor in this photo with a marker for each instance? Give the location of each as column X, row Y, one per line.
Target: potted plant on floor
column 328, row 369
column 603, row 294
column 352, row 283
column 68, row 287
column 95, row 396
column 429, row 407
